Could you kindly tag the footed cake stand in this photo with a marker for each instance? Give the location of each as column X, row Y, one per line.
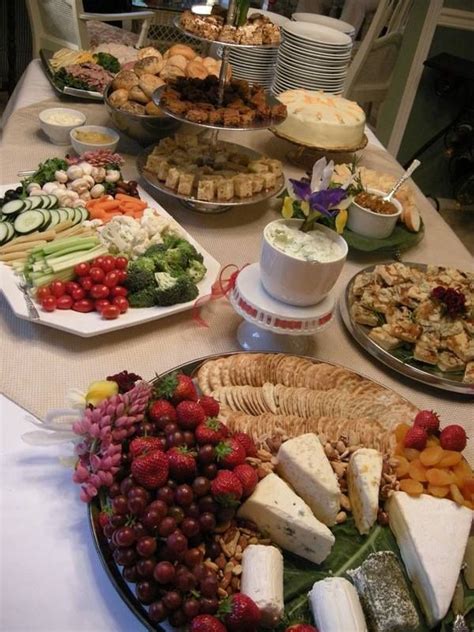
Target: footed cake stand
column 270, row 325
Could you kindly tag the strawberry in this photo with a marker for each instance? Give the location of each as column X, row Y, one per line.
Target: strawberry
column 428, row 420
column 182, row 463
column 230, row 453
column 142, row 445
column 190, row 414
column 416, row 438
column 247, row 442
column 177, row 387
column 240, row 613
column 151, row 469
column 207, row 623
column 211, row 431
column 453, row 438
column 301, row 627
column 247, row 476
column 226, row 488
column 210, row 405
column 162, row 412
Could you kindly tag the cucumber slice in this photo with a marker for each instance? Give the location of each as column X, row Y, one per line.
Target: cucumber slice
column 63, row 214
column 28, row 222
column 47, row 218
column 55, row 217
column 36, row 201
column 77, row 217
column 84, row 212
column 71, row 212
column 13, row 207
column 45, row 200
column 26, row 205
column 11, row 231
column 53, row 201
column 3, row 233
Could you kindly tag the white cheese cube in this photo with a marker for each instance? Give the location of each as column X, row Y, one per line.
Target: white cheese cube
column 364, row 473
column 286, row 518
column 335, row 605
column 303, row 463
column 262, row 581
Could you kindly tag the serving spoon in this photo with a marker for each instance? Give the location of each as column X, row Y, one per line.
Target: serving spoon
column 414, row 165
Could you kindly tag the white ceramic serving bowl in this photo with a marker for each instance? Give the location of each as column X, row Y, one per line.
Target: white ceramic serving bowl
column 295, row 281
column 82, row 146
column 56, row 132
column 369, row 224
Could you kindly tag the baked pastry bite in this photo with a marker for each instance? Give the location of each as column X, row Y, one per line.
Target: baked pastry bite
column 196, row 70
column 153, row 110
column 149, row 83
column 205, row 190
column 269, row 180
column 171, row 72
column 186, row 183
column 118, row 97
column 148, row 65
column 242, row 186
column 182, row 49
column 225, row 190
column 149, row 51
column 137, row 94
column 228, row 34
column 125, row 80
column 172, row 178
column 132, row 107
column 197, row 115
column 178, row 60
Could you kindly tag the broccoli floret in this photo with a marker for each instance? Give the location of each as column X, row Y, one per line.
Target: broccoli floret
column 172, row 289
column 171, row 241
column 155, row 249
column 196, row 271
column 140, row 274
column 189, row 251
column 176, row 258
column 143, row 298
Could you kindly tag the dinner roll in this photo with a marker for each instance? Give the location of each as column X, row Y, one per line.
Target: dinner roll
column 125, row 79
column 171, row 72
column 118, row 97
column 182, row 49
column 153, row 110
column 209, row 61
column 149, row 51
column 132, row 108
column 148, row 65
column 137, row 94
column 178, row 60
column 196, row 70
column 149, row 83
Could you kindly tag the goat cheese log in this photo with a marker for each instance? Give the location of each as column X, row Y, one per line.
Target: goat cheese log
column 262, row 581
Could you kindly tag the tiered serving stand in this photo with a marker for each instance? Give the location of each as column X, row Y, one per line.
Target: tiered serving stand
column 191, row 201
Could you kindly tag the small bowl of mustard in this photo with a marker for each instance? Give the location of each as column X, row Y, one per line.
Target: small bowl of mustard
column 94, row 137
column 371, row 216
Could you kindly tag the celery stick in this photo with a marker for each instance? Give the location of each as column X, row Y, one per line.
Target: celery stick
column 86, row 245
column 80, row 258
column 59, row 244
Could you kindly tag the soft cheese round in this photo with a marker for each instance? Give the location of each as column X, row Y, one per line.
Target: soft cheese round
column 322, row 120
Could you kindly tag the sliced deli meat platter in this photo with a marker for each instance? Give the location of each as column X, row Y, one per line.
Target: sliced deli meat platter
column 263, row 490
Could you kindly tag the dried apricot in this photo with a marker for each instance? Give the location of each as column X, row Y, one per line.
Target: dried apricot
column 456, row 494
column 440, row 491
column 432, row 441
column 462, row 471
column 408, row 485
column 431, row 456
column 438, row 477
column 468, row 504
column 400, row 432
column 399, row 449
column 402, row 467
column 450, row 458
column 411, row 454
column 417, row 471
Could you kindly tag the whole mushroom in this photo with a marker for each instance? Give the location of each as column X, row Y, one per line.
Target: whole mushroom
column 74, row 172
column 112, row 175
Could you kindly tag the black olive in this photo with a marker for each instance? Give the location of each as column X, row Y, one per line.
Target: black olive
column 10, row 192
column 2, row 201
column 19, row 189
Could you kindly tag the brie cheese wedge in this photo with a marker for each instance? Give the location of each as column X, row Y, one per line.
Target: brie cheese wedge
column 303, row 463
column 282, row 515
column 432, row 535
column 262, row 581
column 364, row 473
column 335, row 605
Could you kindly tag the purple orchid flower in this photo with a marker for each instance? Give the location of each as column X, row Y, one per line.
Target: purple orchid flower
column 302, row 188
column 321, row 201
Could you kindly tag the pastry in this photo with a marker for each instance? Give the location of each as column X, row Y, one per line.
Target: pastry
column 149, row 51
column 170, row 72
column 148, row 65
column 178, row 60
column 125, row 79
column 153, row 110
column 149, row 83
column 182, row 49
column 258, row 29
column 132, row 108
column 196, row 70
column 118, row 97
column 137, row 94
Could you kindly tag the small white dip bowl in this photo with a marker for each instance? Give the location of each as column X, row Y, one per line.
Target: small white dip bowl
column 369, row 224
column 56, row 123
column 297, row 281
column 81, row 146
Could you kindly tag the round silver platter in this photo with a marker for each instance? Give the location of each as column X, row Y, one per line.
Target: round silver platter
column 271, row 100
column 177, row 24
column 360, row 333
column 200, row 205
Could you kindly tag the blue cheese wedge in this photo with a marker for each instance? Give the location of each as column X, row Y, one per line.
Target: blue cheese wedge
column 336, row 607
column 364, row 473
column 287, row 520
column 432, row 535
column 262, row 581
column 303, row 463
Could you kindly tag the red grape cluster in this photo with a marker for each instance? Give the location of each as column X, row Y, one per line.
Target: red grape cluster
column 96, row 287
column 454, row 301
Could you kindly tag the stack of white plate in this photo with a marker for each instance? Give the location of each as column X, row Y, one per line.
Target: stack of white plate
column 313, row 57
column 325, row 20
column 257, row 65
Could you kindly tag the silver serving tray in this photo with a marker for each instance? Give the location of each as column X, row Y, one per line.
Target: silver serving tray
column 271, row 100
column 45, row 56
column 360, row 334
column 215, row 206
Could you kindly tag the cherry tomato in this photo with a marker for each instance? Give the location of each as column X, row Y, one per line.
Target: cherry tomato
column 57, row 288
column 119, row 290
column 97, row 274
column 98, row 262
column 64, row 302
column 100, row 304
column 110, row 312
column 49, row 303
column 122, row 275
column 84, row 305
column 111, row 278
column 78, row 293
column 86, row 283
column 70, row 286
column 121, row 303
column 108, row 263
column 81, row 269
column 42, row 292
column 121, row 263
column 99, row 291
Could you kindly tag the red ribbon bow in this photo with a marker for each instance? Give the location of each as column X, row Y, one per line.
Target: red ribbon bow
column 220, row 288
